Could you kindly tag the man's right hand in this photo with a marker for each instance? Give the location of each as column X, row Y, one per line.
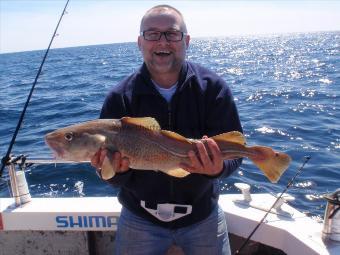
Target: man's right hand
column 108, row 164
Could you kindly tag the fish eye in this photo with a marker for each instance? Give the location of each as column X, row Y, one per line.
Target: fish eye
column 69, row 136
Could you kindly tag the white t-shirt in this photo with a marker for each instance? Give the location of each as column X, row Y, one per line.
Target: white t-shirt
column 166, row 93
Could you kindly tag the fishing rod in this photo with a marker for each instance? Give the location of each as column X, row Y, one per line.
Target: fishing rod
column 6, row 158
column 290, row 183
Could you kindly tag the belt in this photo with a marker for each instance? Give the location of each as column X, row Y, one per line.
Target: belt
column 168, row 212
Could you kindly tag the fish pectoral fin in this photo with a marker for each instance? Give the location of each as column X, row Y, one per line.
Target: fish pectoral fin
column 175, row 136
column 107, row 171
column 233, row 136
column 99, row 138
column 145, row 122
column 177, row 172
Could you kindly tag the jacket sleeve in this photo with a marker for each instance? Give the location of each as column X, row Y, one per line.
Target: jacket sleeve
column 223, row 117
column 114, row 107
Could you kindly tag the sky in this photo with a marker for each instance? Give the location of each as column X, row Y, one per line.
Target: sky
column 28, row 25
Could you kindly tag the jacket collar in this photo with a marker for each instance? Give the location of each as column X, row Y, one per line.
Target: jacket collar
column 146, row 86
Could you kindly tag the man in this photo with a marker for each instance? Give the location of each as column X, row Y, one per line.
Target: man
column 160, row 210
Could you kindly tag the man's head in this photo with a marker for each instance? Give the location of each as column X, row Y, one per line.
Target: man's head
column 163, row 9
column 163, row 40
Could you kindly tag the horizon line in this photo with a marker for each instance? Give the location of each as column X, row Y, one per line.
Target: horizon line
column 192, row 38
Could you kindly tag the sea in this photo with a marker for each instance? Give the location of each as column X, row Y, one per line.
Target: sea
column 286, row 88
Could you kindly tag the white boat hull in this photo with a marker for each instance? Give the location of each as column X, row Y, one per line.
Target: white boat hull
column 73, row 225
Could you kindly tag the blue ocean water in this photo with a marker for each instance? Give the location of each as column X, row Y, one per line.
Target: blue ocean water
column 286, row 88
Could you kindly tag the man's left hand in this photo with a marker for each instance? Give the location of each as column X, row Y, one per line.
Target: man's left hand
column 207, row 162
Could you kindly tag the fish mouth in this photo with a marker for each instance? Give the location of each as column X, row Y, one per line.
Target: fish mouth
column 58, row 151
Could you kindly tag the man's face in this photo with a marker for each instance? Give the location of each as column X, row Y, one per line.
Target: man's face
column 162, row 57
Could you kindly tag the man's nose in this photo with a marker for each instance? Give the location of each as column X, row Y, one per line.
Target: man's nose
column 163, row 38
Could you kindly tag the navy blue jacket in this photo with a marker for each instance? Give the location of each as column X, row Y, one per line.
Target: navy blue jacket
column 202, row 105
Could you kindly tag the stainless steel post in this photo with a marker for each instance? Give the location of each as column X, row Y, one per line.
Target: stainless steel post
column 331, row 225
column 14, row 184
column 19, row 187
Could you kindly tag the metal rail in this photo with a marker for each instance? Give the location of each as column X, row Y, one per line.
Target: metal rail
column 46, row 161
column 19, row 187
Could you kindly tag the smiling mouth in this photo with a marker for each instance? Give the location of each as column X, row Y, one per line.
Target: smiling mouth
column 163, row 53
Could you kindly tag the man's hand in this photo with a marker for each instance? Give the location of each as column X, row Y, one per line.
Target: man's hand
column 207, row 162
column 108, row 164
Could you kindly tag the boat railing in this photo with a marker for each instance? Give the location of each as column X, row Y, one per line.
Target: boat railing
column 16, row 170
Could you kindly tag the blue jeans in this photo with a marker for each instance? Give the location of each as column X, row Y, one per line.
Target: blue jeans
column 137, row 236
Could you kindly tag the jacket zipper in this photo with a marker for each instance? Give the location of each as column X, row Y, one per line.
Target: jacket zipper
column 170, row 128
column 169, row 116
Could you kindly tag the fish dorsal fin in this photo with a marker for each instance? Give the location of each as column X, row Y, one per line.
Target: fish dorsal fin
column 233, row 136
column 175, row 136
column 145, row 122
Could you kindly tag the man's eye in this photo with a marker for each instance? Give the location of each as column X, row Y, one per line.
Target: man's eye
column 172, row 34
column 154, row 35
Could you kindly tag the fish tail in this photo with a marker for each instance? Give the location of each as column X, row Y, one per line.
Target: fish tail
column 273, row 164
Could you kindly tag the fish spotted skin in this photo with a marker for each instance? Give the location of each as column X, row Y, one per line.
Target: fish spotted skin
column 147, row 146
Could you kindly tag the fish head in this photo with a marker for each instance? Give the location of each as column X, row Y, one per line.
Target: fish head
column 78, row 142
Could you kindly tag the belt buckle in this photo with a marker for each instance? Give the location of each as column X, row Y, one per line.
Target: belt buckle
column 167, row 212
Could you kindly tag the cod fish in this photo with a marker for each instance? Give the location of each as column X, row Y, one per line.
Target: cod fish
column 147, row 146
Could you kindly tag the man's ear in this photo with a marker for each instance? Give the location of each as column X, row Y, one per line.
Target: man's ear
column 187, row 40
column 139, row 43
